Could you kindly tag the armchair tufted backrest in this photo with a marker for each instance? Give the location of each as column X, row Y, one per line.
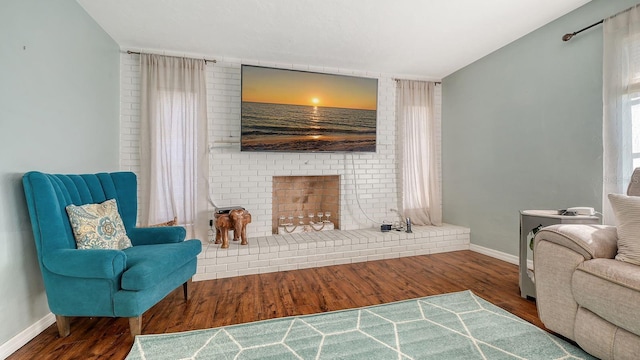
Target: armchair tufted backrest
column 47, row 196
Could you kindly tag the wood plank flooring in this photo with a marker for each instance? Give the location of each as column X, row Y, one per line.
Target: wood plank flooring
column 258, row 297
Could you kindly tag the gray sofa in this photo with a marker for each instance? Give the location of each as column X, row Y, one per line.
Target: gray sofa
column 583, row 293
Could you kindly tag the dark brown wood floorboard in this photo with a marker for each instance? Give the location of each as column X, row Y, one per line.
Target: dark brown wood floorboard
column 258, row 297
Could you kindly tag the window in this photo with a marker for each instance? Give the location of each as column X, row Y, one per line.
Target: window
column 633, row 128
column 634, row 159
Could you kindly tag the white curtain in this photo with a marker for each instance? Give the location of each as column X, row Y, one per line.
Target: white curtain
column 173, row 134
column 419, row 152
column 621, row 95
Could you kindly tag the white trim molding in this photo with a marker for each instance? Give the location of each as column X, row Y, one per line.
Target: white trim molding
column 499, row 255
column 26, row 335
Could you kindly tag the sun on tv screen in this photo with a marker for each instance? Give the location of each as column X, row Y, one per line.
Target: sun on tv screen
column 300, row 111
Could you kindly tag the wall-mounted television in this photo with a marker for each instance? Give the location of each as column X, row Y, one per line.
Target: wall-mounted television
column 300, row 111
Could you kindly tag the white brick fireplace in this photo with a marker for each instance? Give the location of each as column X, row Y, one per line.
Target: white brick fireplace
column 373, row 174
column 368, row 181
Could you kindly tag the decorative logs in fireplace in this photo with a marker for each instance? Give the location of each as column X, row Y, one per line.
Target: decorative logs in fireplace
column 235, row 220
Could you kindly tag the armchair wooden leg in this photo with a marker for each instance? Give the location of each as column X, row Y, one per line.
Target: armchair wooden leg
column 135, row 325
column 64, row 328
column 185, row 290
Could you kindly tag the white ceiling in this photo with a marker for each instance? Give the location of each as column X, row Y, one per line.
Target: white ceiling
column 424, row 38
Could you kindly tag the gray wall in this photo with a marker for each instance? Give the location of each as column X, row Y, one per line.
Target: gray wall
column 522, row 129
column 59, row 111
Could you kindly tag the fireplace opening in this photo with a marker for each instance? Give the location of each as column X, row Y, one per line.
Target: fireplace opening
column 305, row 203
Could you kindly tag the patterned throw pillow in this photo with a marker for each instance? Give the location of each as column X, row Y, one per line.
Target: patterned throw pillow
column 98, row 226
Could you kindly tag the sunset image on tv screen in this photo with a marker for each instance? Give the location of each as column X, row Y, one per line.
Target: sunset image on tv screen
column 296, row 111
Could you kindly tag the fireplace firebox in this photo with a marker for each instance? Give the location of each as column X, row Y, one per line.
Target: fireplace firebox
column 305, row 203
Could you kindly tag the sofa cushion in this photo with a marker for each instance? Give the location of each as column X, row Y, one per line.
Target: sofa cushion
column 627, row 212
column 621, row 273
column 604, row 340
column 148, row 265
column 610, row 289
column 98, row 226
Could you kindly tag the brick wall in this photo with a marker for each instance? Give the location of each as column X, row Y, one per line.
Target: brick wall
column 369, row 180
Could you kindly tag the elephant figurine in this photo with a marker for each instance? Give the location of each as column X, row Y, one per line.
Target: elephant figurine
column 239, row 219
column 235, row 220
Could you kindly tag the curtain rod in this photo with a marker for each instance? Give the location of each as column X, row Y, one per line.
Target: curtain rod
column 138, row 53
column 435, row 82
column 567, row 37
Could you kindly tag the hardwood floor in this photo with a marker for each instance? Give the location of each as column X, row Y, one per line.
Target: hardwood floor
column 258, row 297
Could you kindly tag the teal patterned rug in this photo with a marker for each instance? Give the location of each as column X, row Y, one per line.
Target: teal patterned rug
column 451, row 326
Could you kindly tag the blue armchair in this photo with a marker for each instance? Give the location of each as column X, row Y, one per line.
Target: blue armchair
column 98, row 282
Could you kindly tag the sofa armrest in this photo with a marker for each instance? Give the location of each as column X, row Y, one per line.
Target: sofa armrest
column 96, row 264
column 590, row 241
column 157, row 235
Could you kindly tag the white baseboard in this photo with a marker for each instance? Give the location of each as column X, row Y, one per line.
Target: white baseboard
column 499, row 255
column 25, row 336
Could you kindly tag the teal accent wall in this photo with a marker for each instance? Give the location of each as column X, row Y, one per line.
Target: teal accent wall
column 59, row 112
column 522, row 129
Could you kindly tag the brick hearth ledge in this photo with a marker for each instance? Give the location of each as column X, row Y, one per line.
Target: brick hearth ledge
column 306, row 250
